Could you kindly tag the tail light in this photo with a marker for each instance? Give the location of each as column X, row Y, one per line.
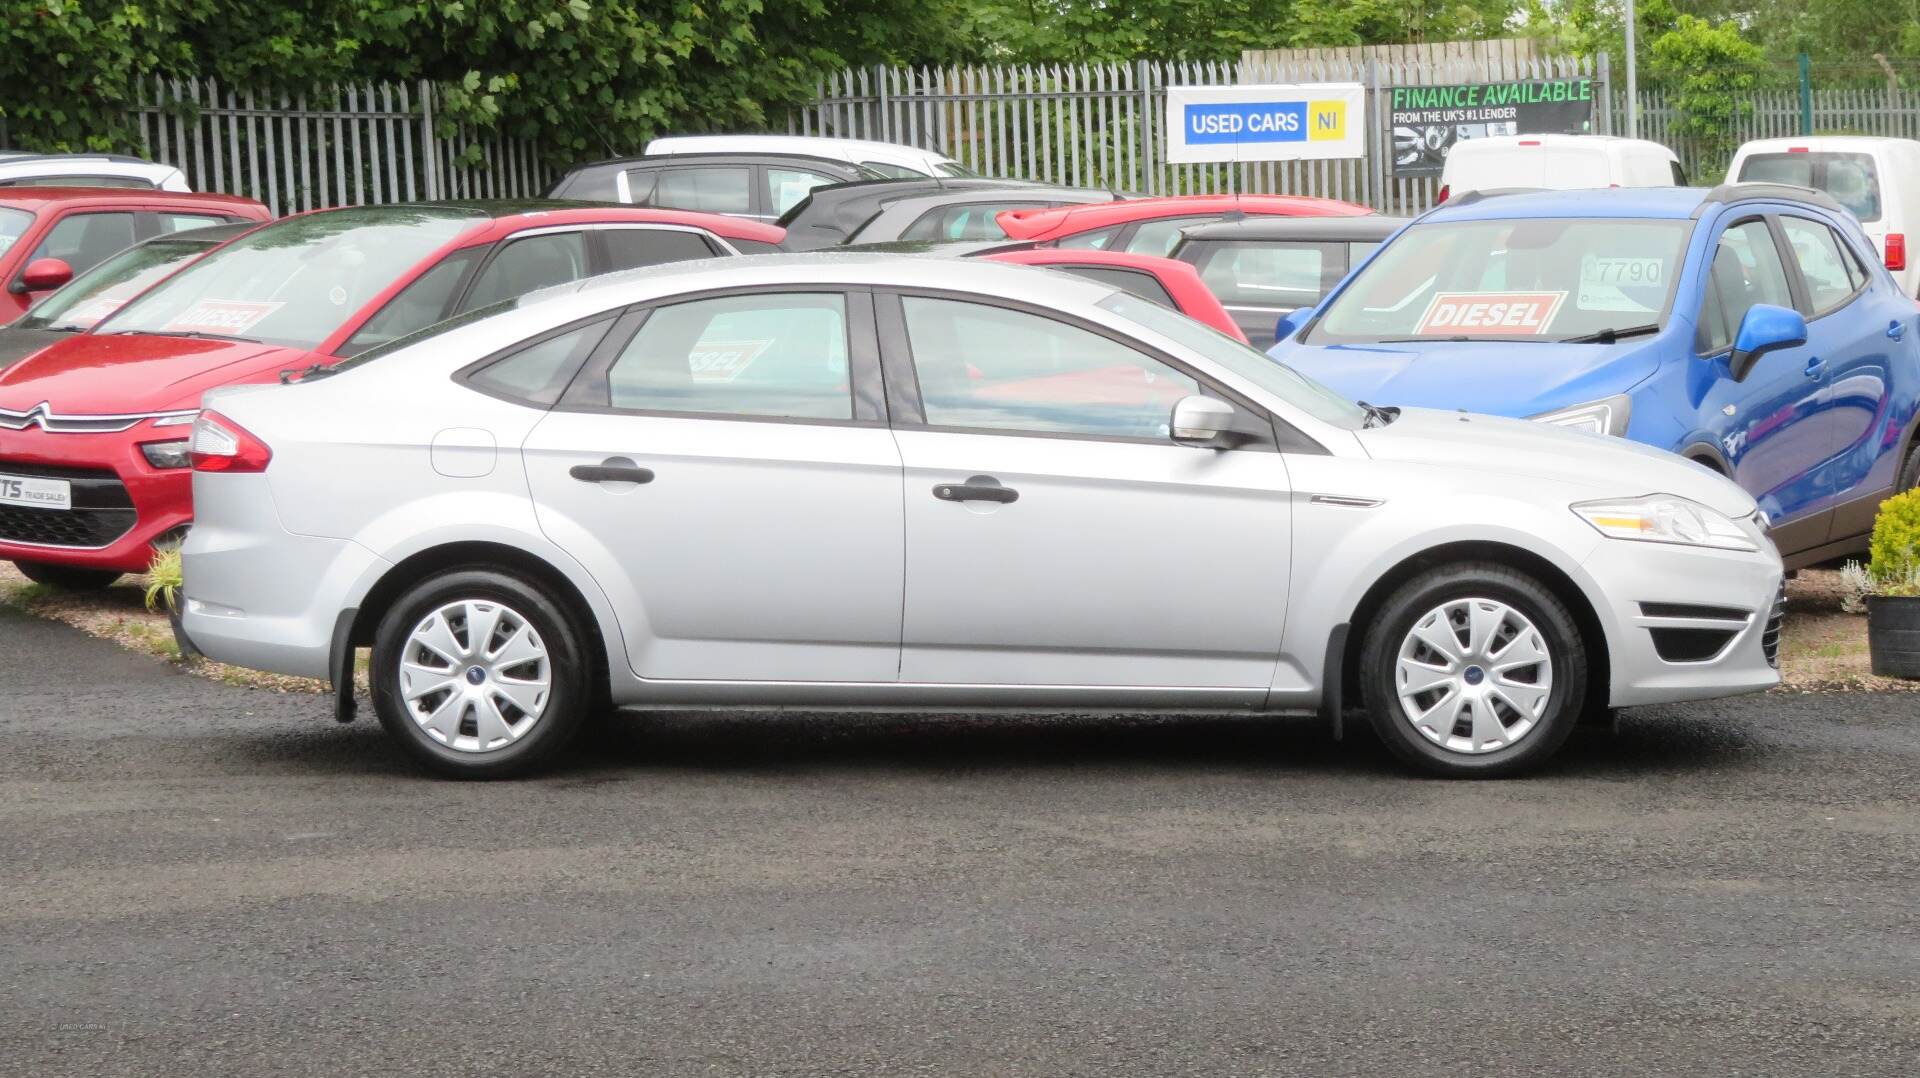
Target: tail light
column 221, row 445
column 1896, row 250
column 1442, row 196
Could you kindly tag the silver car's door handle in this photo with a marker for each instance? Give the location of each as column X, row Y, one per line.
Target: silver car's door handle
column 614, row 470
column 979, row 488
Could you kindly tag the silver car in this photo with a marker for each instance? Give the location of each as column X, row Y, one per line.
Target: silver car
column 854, row 479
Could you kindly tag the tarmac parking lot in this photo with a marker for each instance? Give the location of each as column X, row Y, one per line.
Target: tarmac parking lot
column 207, row 879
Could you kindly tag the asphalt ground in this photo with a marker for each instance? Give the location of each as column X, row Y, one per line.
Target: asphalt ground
column 199, row 879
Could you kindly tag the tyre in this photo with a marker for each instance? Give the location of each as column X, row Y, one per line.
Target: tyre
column 67, row 577
column 480, row 674
column 1909, row 472
column 1473, row 671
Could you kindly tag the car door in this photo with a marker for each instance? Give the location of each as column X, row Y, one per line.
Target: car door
column 1854, row 329
column 1055, row 536
column 724, row 471
column 1766, row 425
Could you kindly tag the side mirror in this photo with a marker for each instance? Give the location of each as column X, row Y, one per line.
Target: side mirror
column 1290, row 323
column 1202, row 422
column 1765, row 328
column 45, row 274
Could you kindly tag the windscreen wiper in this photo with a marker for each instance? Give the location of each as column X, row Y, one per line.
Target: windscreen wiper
column 1378, row 416
column 1610, row 334
column 1509, row 338
column 190, row 334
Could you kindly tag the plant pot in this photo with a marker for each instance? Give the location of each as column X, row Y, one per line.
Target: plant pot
column 1893, row 635
column 189, row 653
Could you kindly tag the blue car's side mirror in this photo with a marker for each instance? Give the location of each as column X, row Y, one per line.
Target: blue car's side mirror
column 1765, row 328
column 1290, row 323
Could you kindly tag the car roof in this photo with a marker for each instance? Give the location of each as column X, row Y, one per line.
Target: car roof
column 1043, row 224
column 1371, row 227
column 37, row 197
column 820, row 143
column 1676, row 203
column 506, row 213
column 839, row 209
column 1493, row 142
column 1817, row 143
column 694, row 160
column 210, row 236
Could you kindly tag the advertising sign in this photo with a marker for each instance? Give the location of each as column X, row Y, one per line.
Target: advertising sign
column 1427, row 120
column 1265, row 123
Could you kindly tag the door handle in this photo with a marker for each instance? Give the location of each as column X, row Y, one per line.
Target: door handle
column 1815, row 366
column 979, row 488
column 1896, row 329
column 611, row 470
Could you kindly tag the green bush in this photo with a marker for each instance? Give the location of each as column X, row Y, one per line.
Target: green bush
column 1896, row 545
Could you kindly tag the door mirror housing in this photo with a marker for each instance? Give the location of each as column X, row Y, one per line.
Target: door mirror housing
column 45, row 274
column 1765, row 328
column 1290, row 323
column 1203, row 423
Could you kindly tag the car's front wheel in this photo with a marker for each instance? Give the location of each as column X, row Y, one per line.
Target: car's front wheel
column 480, row 674
column 67, row 577
column 1473, row 670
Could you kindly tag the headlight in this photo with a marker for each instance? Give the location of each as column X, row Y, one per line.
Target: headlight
column 1663, row 518
column 167, row 454
column 1607, row 416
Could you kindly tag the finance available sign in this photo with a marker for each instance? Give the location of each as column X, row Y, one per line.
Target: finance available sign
column 1426, row 121
column 1264, row 123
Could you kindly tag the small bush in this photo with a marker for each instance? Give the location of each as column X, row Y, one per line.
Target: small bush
column 164, row 579
column 1895, row 547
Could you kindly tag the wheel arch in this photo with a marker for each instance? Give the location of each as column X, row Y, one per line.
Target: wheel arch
column 1593, row 636
column 1707, row 454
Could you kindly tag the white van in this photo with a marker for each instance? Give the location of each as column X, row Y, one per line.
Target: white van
column 1877, row 178
column 886, row 158
column 1557, row 163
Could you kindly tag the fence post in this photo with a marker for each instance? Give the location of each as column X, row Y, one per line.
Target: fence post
column 1148, row 173
column 886, row 113
column 1381, row 155
column 1603, row 74
column 1806, row 94
column 429, row 145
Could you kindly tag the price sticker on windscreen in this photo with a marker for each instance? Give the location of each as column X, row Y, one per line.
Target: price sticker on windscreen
column 222, row 317
column 1617, row 283
column 1490, row 314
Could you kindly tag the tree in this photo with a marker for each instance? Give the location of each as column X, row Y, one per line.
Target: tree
column 1712, row 71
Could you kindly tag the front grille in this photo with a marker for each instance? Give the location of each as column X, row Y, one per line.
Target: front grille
column 1690, row 645
column 102, row 511
column 1776, row 618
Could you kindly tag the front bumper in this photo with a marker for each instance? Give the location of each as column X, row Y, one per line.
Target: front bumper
column 122, row 504
column 1684, row 623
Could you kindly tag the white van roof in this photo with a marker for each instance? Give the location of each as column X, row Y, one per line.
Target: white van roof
column 1826, row 144
column 856, row 151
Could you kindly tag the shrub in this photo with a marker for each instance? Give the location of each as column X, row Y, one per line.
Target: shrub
column 164, row 579
column 1895, row 549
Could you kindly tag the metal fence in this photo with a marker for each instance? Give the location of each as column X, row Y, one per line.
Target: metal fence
column 1777, row 114
column 342, row 146
column 1101, row 125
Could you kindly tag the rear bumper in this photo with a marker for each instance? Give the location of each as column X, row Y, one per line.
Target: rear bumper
column 1688, row 624
column 122, row 504
column 258, row 596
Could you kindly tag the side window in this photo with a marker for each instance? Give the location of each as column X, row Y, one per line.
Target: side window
column 1162, row 236
column 1824, row 263
column 1096, row 240
column 182, row 222
column 1746, row 270
column 787, row 186
column 1271, row 274
column 970, row 221
column 710, row 190
column 894, row 172
column 631, row 248
column 590, row 185
column 1135, row 282
column 988, row 367
column 525, row 265
column 426, row 301
column 1358, row 252
column 780, row 355
column 84, row 240
column 539, row 373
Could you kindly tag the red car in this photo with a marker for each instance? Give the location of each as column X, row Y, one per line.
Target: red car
column 1152, row 225
column 50, row 234
column 1162, row 280
column 94, row 466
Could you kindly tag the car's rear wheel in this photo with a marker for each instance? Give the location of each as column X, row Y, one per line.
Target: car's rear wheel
column 1473, row 670
column 480, row 674
column 67, row 577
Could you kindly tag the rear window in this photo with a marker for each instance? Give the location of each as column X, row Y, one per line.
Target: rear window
column 1849, row 177
column 1268, row 274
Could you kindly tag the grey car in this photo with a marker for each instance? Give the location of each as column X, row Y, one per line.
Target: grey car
column 863, row 480
column 1265, row 268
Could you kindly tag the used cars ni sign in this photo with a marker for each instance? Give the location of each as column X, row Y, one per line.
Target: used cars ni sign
column 905, row 482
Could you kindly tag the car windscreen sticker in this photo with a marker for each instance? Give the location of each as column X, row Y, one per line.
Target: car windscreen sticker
column 223, row 317
column 1498, row 314
column 723, row 361
column 1611, row 283
column 105, row 302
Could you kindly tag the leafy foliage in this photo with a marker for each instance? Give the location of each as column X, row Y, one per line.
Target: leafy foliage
column 1895, row 547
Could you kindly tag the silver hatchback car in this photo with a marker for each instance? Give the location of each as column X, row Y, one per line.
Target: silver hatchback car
column 833, row 480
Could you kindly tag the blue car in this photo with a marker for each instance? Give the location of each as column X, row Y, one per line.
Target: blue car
column 1749, row 328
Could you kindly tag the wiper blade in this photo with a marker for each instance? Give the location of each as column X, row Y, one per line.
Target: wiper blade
column 189, row 334
column 304, row 374
column 1610, row 334
column 1378, row 416
column 1509, row 338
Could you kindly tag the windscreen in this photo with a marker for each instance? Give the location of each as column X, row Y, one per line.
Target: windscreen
column 1547, row 278
column 1849, row 177
column 13, row 225
column 296, row 282
column 107, row 287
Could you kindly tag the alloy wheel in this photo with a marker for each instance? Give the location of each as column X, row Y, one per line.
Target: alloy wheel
column 1474, row 675
column 475, row 675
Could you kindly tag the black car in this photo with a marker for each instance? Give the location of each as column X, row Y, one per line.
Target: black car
column 107, row 287
column 843, row 212
column 1264, row 268
column 758, row 185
